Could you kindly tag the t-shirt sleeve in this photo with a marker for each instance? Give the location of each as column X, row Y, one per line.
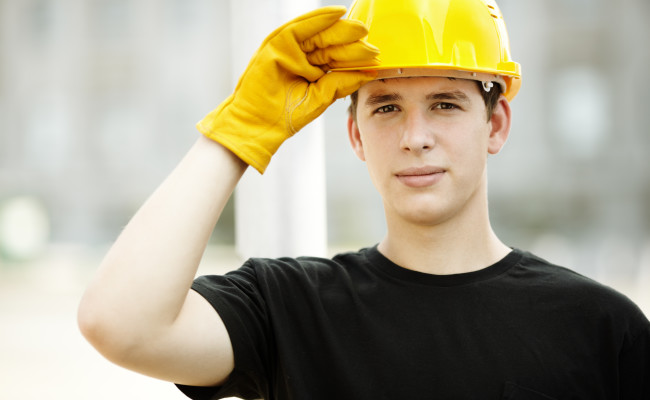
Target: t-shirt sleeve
column 237, row 299
column 634, row 361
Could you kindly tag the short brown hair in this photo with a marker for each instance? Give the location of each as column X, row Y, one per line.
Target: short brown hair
column 490, row 98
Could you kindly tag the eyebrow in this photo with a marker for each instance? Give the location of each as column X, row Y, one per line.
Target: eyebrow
column 382, row 98
column 455, row 95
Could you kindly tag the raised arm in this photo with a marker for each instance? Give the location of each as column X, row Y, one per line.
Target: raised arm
column 139, row 311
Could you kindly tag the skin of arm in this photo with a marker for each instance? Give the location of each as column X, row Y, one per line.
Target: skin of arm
column 139, row 311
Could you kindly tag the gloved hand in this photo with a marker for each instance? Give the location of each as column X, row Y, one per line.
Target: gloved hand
column 287, row 84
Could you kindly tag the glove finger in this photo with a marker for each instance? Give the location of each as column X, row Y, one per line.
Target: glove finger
column 354, row 54
column 351, row 81
column 323, row 93
column 301, row 68
column 352, row 64
column 284, row 44
column 335, row 85
column 312, row 23
column 341, row 32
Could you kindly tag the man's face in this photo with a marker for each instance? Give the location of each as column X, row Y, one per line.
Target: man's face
column 425, row 142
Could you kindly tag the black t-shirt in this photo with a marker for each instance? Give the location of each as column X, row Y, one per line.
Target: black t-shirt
column 361, row 327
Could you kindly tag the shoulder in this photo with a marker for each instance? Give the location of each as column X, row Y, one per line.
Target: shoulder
column 279, row 275
column 575, row 291
column 560, row 279
column 315, row 269
column 546, row 274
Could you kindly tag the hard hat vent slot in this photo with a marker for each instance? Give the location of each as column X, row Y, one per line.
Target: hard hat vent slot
column 494, row 11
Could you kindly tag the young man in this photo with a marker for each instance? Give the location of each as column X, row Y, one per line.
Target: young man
column 440, row 308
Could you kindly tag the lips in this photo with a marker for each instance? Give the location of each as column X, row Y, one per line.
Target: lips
column 420, row 176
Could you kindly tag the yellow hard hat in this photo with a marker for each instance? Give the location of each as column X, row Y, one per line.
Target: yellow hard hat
column 457, row 38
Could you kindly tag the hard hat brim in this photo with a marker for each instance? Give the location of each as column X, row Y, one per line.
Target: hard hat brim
column 391, row 73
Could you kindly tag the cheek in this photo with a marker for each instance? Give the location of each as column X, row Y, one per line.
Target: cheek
column 376, row 155
column 369, row 135
column 371, row 152
column 467, row 152
column 472, row 140
column 378, row 148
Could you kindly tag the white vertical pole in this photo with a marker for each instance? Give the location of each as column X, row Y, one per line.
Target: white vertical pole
column 283, row 212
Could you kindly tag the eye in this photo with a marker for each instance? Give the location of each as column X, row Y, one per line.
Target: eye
column 445, row 106
column 386, row 109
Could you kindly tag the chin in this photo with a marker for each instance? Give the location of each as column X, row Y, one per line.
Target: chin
column 429, row 219
column 425, row 214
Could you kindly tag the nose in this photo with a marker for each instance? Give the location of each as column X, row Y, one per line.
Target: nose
column 417, row 135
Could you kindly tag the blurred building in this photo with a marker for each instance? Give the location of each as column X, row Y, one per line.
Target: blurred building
column 98, row 100
column 580, row 133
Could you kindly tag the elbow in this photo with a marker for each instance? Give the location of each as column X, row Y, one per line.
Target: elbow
column 88, row 321
column 101, row 329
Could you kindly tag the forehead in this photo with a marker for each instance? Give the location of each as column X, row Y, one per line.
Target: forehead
column 418, row 87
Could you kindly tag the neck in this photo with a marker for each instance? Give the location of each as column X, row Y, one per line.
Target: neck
column 461, row 244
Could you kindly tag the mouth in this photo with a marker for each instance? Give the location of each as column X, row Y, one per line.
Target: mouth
column 421, row 176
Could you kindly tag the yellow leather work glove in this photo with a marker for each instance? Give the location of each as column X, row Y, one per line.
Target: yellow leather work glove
column 287, row 84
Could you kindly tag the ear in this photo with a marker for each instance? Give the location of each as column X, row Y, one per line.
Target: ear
column 355, row 138
column 500, row 123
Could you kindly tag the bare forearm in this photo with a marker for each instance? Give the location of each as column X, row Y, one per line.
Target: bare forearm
column 144, row 279
column 139, row 312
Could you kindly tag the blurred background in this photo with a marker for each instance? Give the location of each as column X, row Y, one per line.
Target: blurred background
column 98, row 101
